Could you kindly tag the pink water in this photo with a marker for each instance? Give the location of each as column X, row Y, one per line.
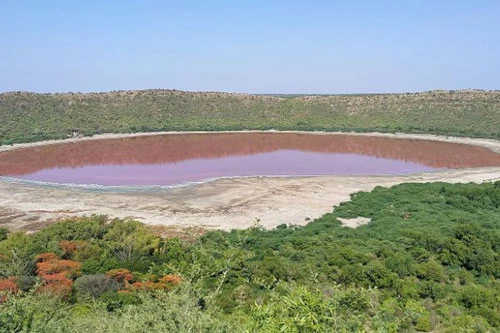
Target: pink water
column 182, row 158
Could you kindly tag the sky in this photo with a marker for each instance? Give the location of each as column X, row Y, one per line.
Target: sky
column 255, row 46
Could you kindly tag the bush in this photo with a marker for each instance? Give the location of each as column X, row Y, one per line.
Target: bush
column 26, row 283
column 93, row 286
column 3, row 233
column 116, row 300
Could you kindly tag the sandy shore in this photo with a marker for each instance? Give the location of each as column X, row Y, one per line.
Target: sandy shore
column 234, row 203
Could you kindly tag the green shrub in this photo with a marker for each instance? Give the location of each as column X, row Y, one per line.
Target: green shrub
column 116, row 300
column 3, row 233
column 26, row 283
column 93, row 286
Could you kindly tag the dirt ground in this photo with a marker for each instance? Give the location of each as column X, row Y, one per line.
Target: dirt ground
column 232, row 203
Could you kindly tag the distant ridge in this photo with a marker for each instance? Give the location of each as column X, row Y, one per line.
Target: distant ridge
column 38, row 116
column 436, row 91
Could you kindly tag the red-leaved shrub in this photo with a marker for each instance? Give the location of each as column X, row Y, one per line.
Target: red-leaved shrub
column 56, row 285
column 165, row 283
column 69, row 267
column 56, row 274
column 8, row 287
column 121, row 275
column 71, row 247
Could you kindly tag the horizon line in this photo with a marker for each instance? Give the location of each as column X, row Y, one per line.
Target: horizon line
column 270, row 94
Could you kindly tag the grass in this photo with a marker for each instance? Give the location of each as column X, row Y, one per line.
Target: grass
column 28, row 117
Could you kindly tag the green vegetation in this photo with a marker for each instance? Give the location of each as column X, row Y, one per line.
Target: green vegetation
column 428, row 261
column 32, row 117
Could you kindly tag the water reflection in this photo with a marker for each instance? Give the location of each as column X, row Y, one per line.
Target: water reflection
column 174, row 158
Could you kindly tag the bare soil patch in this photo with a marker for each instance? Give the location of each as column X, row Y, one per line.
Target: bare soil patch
column 354, row 222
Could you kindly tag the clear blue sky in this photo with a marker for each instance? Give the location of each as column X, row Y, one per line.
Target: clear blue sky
column 249, row 46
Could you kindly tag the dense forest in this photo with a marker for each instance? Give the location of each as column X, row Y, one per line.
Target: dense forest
column 428, row 261
column 33, row 117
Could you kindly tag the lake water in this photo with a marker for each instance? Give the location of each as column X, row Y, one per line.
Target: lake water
column 181, row 158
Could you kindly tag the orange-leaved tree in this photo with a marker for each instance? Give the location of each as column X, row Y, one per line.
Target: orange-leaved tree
column 121, row 275
column 8, row 287
column 57, row 274
column 71, row 247
column 164, row 283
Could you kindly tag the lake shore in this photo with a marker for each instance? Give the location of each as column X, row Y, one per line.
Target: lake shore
column 229, row 203
column 491, row 144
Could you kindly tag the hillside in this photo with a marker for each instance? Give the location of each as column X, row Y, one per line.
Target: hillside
column 31, row 117
column 429, row 261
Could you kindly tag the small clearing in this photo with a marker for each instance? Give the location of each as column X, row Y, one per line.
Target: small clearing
column 354, row 222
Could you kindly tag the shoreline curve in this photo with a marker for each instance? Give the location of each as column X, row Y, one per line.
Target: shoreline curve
column 491, row 144
column 224, row 203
